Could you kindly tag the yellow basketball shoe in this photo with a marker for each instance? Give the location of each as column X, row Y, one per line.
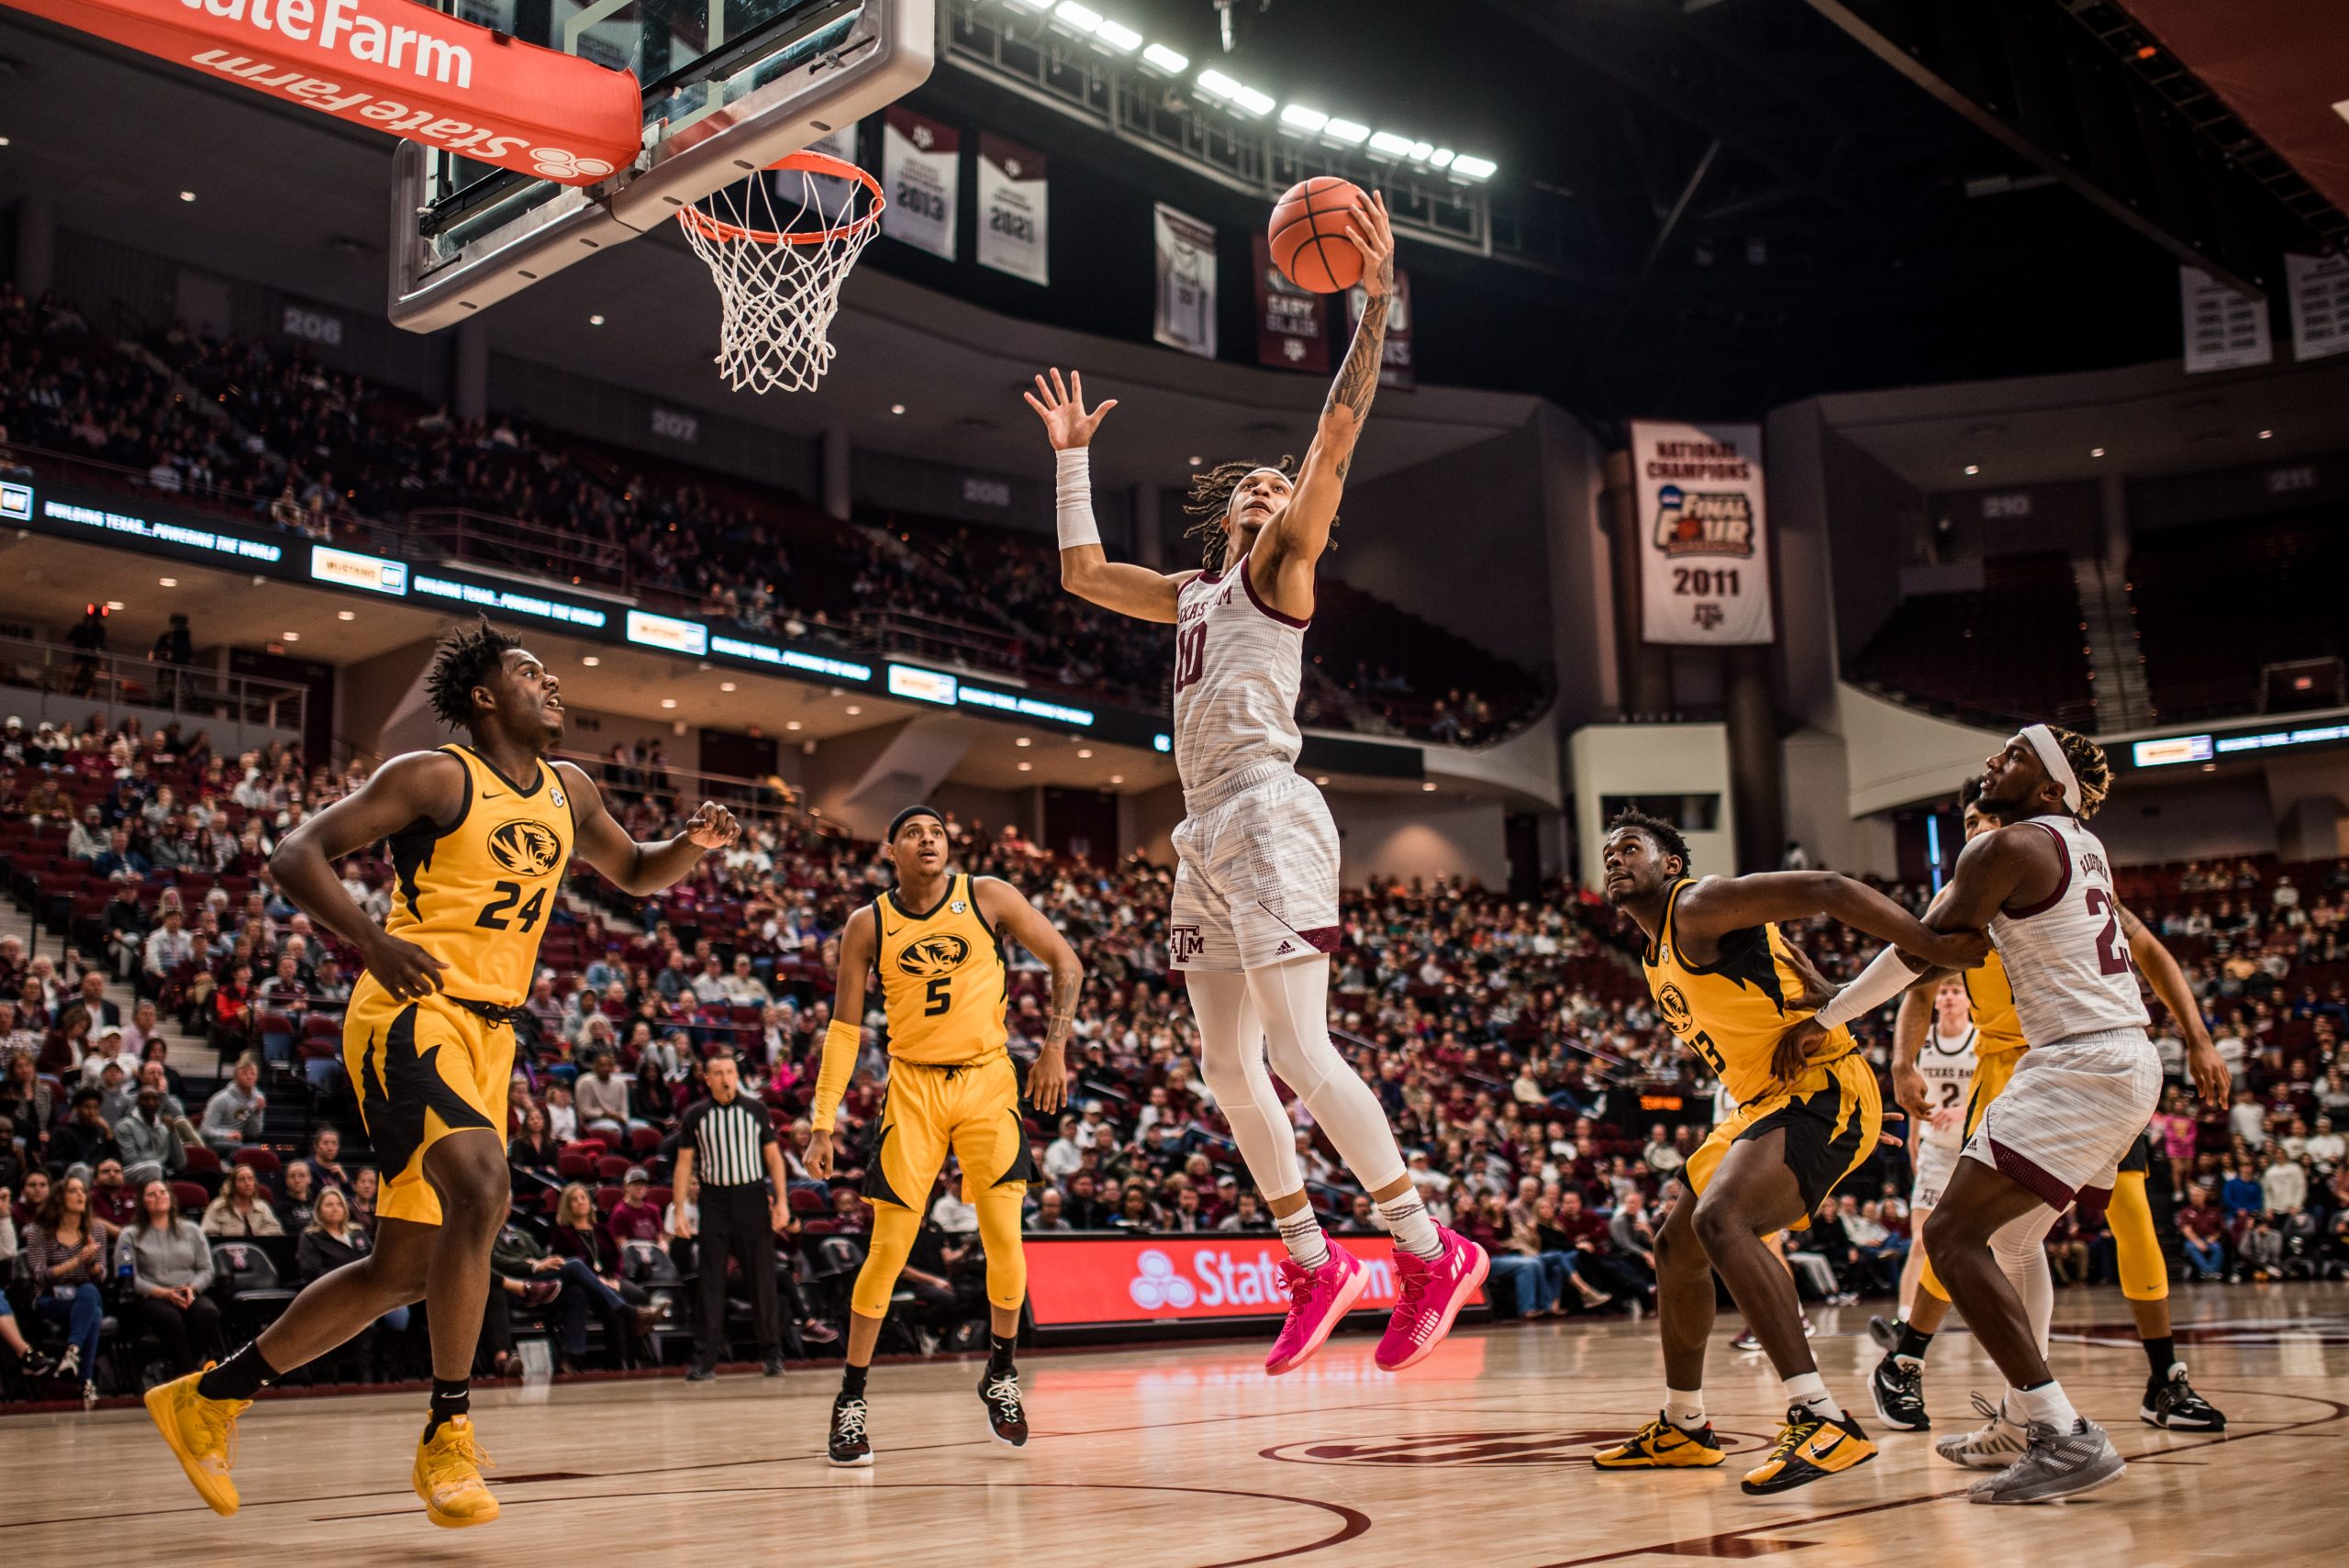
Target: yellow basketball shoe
column 1810, row 1446
column 448, row 1476
column 1660, row 1445
column 203, row 1435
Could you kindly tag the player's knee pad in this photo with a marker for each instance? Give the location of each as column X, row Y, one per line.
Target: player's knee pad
column 2137, row 1248
column 1007, row 1259
column 886, row 1252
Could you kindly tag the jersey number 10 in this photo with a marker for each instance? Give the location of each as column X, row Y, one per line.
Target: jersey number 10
column 1190, row 655
column 493, row 915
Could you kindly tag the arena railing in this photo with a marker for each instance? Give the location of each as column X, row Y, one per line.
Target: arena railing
column 342, row 526
column 65, row 685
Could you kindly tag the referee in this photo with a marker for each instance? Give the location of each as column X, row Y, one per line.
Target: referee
column 728, row 1141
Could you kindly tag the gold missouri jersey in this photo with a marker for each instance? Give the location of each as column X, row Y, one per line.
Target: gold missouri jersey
column 1732, row 1010
column 1990, row 1003
column 478, row 894
column 943, row 978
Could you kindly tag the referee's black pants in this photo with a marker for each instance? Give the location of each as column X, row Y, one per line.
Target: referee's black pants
column 735, row 1224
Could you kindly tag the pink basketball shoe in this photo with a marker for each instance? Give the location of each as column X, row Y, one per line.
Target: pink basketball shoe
column 1430, row 1295
column 1317, row 1300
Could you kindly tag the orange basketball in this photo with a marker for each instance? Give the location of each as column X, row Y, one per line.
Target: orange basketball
column 1309, row 234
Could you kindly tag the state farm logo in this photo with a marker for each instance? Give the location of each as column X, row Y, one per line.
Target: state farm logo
column 556, row 164
column 1158, row 1285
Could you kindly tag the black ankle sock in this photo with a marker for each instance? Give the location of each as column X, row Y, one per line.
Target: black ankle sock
column 1914, row 1343
column 241, row 1376
column 852, row 1381
column 999, row 1351
column 2163, row 1354
column 450, row 1400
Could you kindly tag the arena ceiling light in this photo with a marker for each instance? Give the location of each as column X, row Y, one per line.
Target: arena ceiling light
column 1474, row 168
column 1117, row 37
column 1159, row 58
column 1388, row 145
column 1080, row 18
column 1239, row 95
column 1297, row 118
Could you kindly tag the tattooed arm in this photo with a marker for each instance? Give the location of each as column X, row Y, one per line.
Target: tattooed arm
column 1282, row 564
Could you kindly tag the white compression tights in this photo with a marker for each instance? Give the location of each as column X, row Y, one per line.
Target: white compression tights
column 2021, row 1249
column 1286, row 1008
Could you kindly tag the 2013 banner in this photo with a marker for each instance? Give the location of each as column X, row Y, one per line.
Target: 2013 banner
column 1704, row 557
column 1014, row 230
column 919, row 160
column 1184, row 275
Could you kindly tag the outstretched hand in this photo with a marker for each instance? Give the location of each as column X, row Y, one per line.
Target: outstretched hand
column 1368, row 231
column 1062, row 408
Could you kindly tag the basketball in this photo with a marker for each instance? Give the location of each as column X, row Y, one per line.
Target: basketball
column 1309, row 234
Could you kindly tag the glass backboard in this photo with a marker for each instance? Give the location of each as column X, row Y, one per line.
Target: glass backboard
column 728, row 87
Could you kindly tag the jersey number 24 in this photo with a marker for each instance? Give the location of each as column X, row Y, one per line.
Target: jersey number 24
column 494, row 914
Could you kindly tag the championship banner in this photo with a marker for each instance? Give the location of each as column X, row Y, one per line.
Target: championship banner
column 1704, row 561
column 919, row 170
column 1292, row 324
column 1185, row 280
column 1013, row 232
column 2319, row 290
column 2224, row 331
column 391, row 66
column 1396, row 366
column 1191, row 1278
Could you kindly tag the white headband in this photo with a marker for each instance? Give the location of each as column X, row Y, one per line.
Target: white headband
column 2043, row 740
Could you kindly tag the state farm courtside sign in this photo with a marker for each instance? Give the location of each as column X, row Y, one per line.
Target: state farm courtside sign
column 394, row 66
column 1083, row 1282
column 1704, row 536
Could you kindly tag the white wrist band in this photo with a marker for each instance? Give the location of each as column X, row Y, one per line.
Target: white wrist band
column 1880, row 983
column 1072, row 497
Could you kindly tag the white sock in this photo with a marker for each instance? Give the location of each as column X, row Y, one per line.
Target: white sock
column 1414, row 1232
column 1301, row 1234
column 1810, row 1390
column 2047, row 1403
column 1684, row 1408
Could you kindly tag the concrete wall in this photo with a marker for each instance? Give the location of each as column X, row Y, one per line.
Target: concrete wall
column 2189, row 818
column 1415, row 837
column 1899, row 756
column 1815, row 783
column 1650, row 759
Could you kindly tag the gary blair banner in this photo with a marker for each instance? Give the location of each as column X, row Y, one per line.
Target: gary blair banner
column 1013, row 228
column 918, row 159
column 1171, row 1279
column 1292, row 324
column 1705, row 565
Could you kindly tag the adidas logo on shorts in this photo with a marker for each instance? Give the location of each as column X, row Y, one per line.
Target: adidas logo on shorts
column 1287, row 946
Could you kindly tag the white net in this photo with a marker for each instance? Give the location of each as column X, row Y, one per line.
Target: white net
column 779, row 266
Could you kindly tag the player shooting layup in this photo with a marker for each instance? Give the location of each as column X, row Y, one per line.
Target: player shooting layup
column 1255, row 907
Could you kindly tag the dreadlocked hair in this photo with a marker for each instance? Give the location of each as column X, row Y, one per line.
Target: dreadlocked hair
column 467, row 656
column 1210, row 503
column 2089, row 766
column 1667, row 838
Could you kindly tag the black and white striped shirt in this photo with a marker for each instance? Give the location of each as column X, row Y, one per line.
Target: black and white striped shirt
column 729, row 1141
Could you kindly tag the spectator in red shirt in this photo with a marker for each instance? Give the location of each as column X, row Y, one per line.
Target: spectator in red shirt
column 635, row 1219
column 2203, row 1229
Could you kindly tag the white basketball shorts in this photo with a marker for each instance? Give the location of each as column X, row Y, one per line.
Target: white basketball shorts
column 1936, row 1163
column 2068, row 1117
column 1255, row 878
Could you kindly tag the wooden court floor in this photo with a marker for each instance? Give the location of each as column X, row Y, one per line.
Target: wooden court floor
column 1188, row 1457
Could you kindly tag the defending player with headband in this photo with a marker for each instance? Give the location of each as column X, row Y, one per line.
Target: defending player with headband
column 936, row 940
column 1255, row 917
column 2080, row 1096
column 1898, row 1382
column 479, row 838
column 1727, row 981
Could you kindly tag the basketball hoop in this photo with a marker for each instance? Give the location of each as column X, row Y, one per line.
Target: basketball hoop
column 779, row 280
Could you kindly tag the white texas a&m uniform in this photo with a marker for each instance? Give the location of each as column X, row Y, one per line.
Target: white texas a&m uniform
column 2091, row 1079
column 1256, row 855
column 1947, row 1062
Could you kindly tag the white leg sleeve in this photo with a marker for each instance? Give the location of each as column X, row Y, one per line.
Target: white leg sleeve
column 2021, row 1249
column 1292, row 999
column 1232, row 1061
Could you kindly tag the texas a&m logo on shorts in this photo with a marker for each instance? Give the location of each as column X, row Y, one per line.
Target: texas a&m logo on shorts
column 1184, row 942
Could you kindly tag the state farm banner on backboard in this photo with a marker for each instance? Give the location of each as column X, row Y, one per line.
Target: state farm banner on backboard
column 1704, row 561
column 394, row 66
column 1084, row 1282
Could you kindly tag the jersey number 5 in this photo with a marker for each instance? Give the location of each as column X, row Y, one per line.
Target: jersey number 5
column 1190, row 655
column 2111, row 953
column 493, row 915
column 938, row 998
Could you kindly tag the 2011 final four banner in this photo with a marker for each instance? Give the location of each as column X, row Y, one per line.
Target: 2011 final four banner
column 1704, row 561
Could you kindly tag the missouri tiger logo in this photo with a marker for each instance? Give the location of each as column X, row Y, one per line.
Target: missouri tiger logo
column 525, row 848
column 931, row 957
column 1676, row 1008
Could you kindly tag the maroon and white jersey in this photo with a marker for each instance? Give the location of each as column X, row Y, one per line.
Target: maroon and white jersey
column 2067, row 956
column 1238, row 668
